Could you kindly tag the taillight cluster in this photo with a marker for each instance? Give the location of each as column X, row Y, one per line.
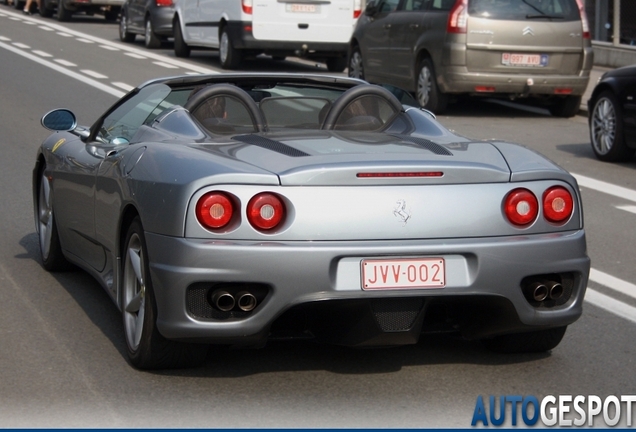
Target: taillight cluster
column 218, row 210
column 458, row 17
column 521, row 206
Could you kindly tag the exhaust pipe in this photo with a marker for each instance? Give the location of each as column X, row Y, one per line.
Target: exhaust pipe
column 223, row 300
column 555, row 290
column 246, row 301
column 538, row 291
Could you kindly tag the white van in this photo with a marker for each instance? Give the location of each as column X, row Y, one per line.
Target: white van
column 315, row 29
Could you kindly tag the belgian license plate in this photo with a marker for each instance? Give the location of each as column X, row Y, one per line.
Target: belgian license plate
column 302, row 8
column 403, row 273
column 536, row 60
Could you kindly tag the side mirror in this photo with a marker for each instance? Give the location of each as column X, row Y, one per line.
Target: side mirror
column 371, row 9
column 59, row 120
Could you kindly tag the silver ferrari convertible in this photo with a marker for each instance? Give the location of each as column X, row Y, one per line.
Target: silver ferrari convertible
column 237, row 209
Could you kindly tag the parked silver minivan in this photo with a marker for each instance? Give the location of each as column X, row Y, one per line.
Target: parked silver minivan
column 500, row 48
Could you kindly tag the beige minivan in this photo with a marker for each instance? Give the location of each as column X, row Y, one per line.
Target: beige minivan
column 438, row 49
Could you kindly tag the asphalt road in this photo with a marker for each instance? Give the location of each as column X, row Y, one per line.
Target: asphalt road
column 62, row 353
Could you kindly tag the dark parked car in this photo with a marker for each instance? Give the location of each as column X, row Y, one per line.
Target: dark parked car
column 151, row 18
column 612, row 115
column 537, row 49
column 67, row 8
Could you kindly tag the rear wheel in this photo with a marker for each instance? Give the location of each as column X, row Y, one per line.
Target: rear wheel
column 428, row 94
column 336, row 64
column 46, row 11
column 181, row 49
column 566, row 107
column 606, row 129
column 50, row 247
column 229, row 56
column 356, row 69
column 152, row 41
column 147, row 348
column 63, row 14
column 530, row 342
column 124, row 34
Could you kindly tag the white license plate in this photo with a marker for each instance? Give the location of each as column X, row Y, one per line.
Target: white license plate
column 403, row 273
column 302, row 8
column 537, row 60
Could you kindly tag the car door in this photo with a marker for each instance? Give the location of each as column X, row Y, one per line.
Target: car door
column 136, row 13
column 628, row 99
column 405, row 29
column 191, row 30
column 376, row 43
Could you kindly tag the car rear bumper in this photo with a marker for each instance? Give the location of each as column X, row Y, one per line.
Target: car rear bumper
column 483, row 276
column 162, row 20
column 457, row 79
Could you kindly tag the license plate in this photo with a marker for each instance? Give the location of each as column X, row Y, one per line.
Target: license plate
column 536, row 60
column 403, row 273
column 302, row 8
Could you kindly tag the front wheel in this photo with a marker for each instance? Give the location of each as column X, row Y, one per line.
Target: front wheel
column 229, row 56
column 50, row 247
column 428, row 93
column 530, row 342
column 356, row 69
column 181, row 49
column 124, row 34
column 63, row 14
column 606, row 129
column 46, row 11
column 147, row 348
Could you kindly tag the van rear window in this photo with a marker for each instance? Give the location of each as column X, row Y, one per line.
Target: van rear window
column 562, row 10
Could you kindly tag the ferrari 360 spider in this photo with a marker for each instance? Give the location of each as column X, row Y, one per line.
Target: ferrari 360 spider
column 235, row 209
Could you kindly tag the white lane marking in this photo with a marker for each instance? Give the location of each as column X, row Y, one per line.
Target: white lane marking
column 193, row 73
column 610, row 304
column 109, row 48
column 612, row 282
column 67, row 72
column 15, row 19
column 608, row 188
column 137, row 56
column 629, row 208
column 21, row 45
column 64, row 34
column 41, row 53
column 5, row 39
column 93, row 74
column 123, row 86
column 29, row 23
column 121, row 46
column 65, row 63
column 45, row 28
column 87, row 41
column 166, row 65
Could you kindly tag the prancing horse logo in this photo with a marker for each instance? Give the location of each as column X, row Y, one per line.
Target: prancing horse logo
column 401, row 212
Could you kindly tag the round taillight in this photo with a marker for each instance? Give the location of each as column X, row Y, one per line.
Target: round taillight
column 265, row 211
column 557, row 204
column 521, row 207
column 214, row 210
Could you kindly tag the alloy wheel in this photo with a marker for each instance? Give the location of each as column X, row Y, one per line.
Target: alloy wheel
column 424, row 83
column 45, row 217
column 603, row 126
column 134, row 292
column 355, row 65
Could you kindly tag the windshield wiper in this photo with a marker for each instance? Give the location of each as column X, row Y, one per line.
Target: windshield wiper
column 545, row 16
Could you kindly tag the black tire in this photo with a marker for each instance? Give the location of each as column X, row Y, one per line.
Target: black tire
column 530, row 342
column 152, row 40
column 63, row 14
column 427, row 92
column 124, row 34
column 356, row 66
column 229, row 56
column 19, row 5
column 181, row 49
column 147, row 348
column 278, row 58
column 46, row 227
column 336, row 64
column 566, row 107
column 606, row 129
column 46, row 11
column 112, row 14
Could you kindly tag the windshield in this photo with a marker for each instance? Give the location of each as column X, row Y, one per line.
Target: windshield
column 565, row 10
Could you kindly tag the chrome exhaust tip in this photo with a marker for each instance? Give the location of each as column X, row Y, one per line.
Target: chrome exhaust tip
column 246, row 301
column 555, row 290
column 223, row 300
column 539, row 291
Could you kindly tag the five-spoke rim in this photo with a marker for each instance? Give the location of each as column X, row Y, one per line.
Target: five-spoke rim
column 224, row 47
column 424, row 86
column 45, row 217
column 603, row 126
column 134, row 292
column 355, row 66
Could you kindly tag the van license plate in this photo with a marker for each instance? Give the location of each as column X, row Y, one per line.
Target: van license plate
column 302, row 8
column 536, row 60
column 404, row 273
